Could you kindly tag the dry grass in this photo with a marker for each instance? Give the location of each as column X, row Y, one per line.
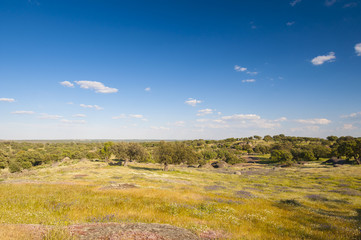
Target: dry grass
column 310, row 201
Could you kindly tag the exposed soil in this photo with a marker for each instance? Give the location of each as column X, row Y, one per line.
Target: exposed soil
column 114, row 231
column 136, row 231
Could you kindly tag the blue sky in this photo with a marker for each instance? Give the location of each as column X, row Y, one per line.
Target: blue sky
column 179, row 69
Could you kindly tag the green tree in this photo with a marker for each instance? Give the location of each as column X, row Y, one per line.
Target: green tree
column 267, row 138
column 165, row 154
column 120, row 150
column 135, row 151
column 321, row 151
column 282, row 156
column 105, row 152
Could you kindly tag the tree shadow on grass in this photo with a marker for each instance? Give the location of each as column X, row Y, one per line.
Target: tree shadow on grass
column 358, row 219
column 116, row 162
column 145, row 168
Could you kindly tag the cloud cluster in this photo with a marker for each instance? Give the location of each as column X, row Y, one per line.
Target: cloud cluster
column 330, row 2
column 7, row 100
column 358, row 49
column 47, row 116
column 352, row 115
column 67, row 84
column 96, row 107
column 134, row 116
column 192, row 102
column 248, row 80
column 241, row 117
column 319, row 60
column 294, row 2
column 315, row 121
column 23, row 112
column 239, row 121
column 206, row 111
column 79, row 115
column 73, row 121
column 239, row 68
column 98, row 87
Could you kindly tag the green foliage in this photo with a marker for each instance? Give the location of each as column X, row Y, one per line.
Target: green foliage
column 267, row 138
column 105, row 152
column 208, row 154
column 175, row 153
column 14, row 166
column 281, row 156
column 321, row 151
column 29, row 158
column 135, row 151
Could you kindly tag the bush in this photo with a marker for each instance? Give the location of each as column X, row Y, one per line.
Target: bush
column 14, row 166
column 281, row 156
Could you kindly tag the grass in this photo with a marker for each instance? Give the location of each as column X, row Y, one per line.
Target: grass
column 311, row 201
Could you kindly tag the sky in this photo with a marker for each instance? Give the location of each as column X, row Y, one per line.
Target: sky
column 210, row 69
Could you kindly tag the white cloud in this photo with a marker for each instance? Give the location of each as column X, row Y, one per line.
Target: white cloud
column 282, row 119
column 330, row 2
column 121, row 116
column 352, row 115
column 252, row 73
column 160, row 128
column 290, row 23
column 47, row 116
column 67, row 84
column 348, row 127
column 98, row 87
column 179, row 123
column 308, row 128
column 73, row 121
column 239, row 68
column 136, row 116
column 249, row 80
column 319, row 60
column 202, row 120
column 192, row 102
column 7, row 100
column 70, row 103
column 315, row 121
column 205, row 112
column 23, row 112
column 241, row 117
column 358, row 49
column 293, row 3
column 96, row 107
column 79, row 115
column 350, row 5
column 147, row 89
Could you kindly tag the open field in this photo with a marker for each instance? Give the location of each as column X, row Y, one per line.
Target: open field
column 246, row 201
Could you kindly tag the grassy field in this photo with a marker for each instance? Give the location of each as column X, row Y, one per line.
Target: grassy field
column 248, row 201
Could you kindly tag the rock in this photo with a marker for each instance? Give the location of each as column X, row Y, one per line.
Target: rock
column 237, row 173
column 220, row 164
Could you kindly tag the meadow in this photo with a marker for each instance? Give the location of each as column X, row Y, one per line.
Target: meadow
column 241, row 201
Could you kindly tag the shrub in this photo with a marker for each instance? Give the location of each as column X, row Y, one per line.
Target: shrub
column 14, row 166
column 281, row 156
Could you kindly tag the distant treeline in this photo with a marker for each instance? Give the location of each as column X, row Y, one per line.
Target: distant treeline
column 281, row 149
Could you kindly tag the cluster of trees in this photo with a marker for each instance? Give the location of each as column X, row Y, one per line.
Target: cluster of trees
column 291, row 150
column 281, row 148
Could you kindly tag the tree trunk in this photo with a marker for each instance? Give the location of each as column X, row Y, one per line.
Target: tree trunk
column 165, row 167
column 358, row 160
column 125, row 162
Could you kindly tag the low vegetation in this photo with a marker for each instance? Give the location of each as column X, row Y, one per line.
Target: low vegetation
column 263, row 188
